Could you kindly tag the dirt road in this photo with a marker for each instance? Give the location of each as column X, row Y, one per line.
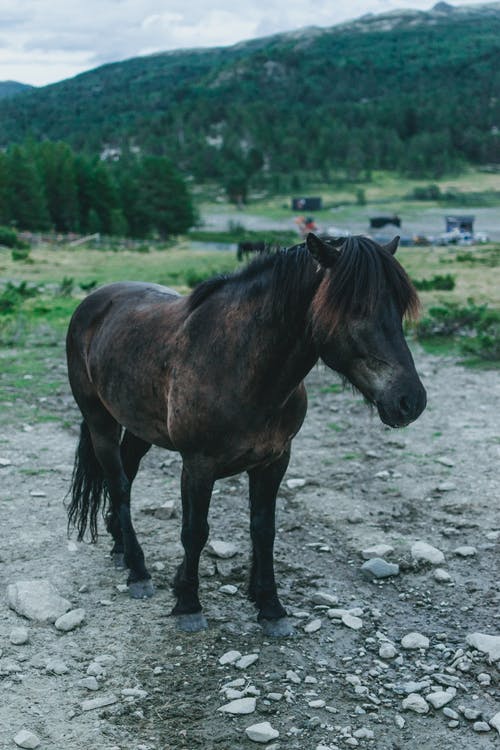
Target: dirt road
column 436, row 481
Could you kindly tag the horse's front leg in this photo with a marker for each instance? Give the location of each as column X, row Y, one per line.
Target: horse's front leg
column 196, row 490
column 264, row 485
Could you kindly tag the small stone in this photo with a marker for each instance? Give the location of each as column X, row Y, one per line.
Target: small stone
column 89, row 683
column 465, row 551
column 495, row 722
column 246, row 661
column 292, row 676
column 165, row 511
column 36, row 600
column 229, row 657
column 95, row 669
column 135, row 692
column 239, row 706
column 446, row 487
column 274, row 696
column 416, row 703
column 488, row 644
column 221, row 549
column 38, row 493
column 262, row 732
column 421, row 551
column 399, row 721
column 26, row 739
column 158, row 566
column 310, row 680
column 376, row 567
column 450, row 713
column 317, row 703
column 5, row 462
column 57, row 666
column 363, row 734
column 387, row 650
column 350, row 621
column 414, row 640
column 484, row 679
column 312, row 626
column 471, row 714
column 445, row 461
column 228, row 589
column 453, row 724
column 293, row 484
column 101, row 702
column 378, row 550
column 70, row 620
column 441, row 575
column 441, row 697
column 321, row 597
column 19, row 636
column 336, row 613
column 481, row 726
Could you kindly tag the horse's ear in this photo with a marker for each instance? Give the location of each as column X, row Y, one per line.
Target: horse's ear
column 325, row 254
column 392, row 246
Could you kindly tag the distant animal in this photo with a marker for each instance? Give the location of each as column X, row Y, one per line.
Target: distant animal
column 218, row 376
column 248, row 247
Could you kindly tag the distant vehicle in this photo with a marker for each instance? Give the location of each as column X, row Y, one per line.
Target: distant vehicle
column 307, row 204
column 377, row 222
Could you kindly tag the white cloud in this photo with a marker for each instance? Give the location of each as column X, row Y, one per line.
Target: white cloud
column 45, row 40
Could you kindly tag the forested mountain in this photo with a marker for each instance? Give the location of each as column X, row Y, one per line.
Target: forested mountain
column 11, row 88
column 409, row 90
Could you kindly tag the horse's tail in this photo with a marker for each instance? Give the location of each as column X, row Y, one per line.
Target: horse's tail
column 88, row 488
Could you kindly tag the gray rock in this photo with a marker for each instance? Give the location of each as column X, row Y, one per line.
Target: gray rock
column 379, row 568
column 262, row 732
column 414, row 641
column 56, row 666
column 440, row 698
column 465, row 551
column 471, row 714
column 351, row 621
column 446, row 487
column 70, row 620
column 246, row 661
column 321, row 597
column 495, row 722
column 221, row 549
column 387, row 650
column 445, row 461
column 441, row 575
column 481, row 726
column 90, row 683
column 239, row 707
column 36, row 600
column 293, row 484
column 378, row 550
column 416, row 703
column 422, row 551
column 487, row 644
column 450, row 713
column 101, row 702
column 228, row 589
column 312, row 626
column 230, row 657
column 26, row 739
column 19, row 636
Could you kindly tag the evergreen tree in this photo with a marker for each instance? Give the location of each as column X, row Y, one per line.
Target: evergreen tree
column 57, row 167
column 28, row 208
column 163, row 201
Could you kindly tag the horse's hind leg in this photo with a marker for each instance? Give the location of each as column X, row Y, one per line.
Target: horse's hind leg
column 264, row 485
column 132, row 450
column 196, row 490
column 105, row 433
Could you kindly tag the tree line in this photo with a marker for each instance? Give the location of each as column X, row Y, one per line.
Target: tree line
column 47, row 186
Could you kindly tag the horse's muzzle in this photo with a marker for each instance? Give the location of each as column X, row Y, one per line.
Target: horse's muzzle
column 403, row 409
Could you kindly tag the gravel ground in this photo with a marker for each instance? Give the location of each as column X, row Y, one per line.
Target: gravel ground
column 337, row 683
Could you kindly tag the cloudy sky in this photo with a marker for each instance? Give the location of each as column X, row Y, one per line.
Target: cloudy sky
column 42, row 41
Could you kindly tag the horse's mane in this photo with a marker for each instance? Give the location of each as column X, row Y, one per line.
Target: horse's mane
column 361, row 276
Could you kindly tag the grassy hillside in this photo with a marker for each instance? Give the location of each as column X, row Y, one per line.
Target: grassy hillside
column 413, row 91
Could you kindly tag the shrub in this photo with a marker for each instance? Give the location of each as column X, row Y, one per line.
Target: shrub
column 14, row 294
column 442, row 282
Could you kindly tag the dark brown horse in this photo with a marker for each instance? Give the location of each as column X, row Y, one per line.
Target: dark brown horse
column 218, row 376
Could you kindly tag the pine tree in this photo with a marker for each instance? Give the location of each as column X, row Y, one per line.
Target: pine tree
column 28, row 208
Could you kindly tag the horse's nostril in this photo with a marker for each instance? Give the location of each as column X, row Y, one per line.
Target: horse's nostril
column 404, row 405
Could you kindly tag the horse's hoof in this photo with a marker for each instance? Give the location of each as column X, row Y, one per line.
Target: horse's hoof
column 118, row 560
column 279, row 628
column 191, row 623
column 141, row 589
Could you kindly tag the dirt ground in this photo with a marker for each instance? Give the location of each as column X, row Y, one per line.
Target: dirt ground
column 322, row 526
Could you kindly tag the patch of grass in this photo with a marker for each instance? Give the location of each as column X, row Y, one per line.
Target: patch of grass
column 335, row 427
column 441, row 282
column 333, row 388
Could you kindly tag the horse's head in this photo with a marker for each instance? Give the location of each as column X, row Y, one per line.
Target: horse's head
column 357, row 316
